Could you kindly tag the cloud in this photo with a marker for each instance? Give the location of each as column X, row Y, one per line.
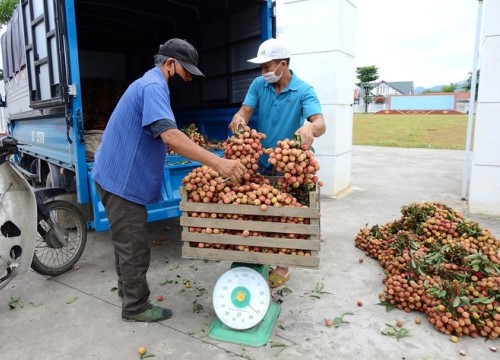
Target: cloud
column 428, row 42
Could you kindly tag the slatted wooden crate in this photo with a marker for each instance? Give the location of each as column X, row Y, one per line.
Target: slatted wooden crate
column 191, row 239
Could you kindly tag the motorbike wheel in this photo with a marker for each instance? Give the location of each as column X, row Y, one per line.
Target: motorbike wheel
column 51, row 257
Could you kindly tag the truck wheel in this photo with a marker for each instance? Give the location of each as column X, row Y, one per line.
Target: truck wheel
column 52, row 257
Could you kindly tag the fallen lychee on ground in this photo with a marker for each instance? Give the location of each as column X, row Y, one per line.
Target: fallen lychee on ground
column 440, row 263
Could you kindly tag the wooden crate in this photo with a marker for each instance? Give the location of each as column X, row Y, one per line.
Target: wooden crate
column 312, row 229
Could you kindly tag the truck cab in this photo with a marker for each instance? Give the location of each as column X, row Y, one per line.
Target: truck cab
column 67, row 62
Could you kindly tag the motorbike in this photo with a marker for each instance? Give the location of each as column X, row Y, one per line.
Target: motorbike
column 38, row 229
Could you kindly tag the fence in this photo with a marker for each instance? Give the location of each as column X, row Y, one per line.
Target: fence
column 462, row 107
column 372, row 108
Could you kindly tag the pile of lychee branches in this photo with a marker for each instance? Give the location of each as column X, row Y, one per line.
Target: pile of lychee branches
column 442, row 264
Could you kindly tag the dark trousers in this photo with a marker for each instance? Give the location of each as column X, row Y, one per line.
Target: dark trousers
column 127, row 228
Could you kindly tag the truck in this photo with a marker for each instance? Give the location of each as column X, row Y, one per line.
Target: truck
column 66, row 63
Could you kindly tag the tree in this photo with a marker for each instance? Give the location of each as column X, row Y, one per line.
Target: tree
column 366, row 74
column 468, row 84
column 449, row 88
column 428, row 91
column 6, row 9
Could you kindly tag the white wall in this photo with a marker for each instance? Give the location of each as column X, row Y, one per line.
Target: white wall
column 484, row 188
column 321, row 35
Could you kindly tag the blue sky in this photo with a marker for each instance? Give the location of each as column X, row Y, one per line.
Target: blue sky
column 429, row 42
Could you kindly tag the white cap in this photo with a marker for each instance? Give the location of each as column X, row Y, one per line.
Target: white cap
column 272, row 49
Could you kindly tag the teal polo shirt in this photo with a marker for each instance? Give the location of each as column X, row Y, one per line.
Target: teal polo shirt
column 280, row 115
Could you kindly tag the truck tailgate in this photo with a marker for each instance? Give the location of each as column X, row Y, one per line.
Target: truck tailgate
column 176, row 167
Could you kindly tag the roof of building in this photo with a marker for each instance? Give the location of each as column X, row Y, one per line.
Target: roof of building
column 405, row 87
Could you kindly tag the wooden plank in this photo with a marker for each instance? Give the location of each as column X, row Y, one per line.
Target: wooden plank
column 287, row 211
column 267, row 242
column 249, row 225
column 281, row 211
column 314, row 200
column 249, row 257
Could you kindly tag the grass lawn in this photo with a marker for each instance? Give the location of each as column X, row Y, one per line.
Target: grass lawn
column 411, row 131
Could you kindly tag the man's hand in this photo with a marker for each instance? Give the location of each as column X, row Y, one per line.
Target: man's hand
column 237, row 123
column 232, row 169
column 314, row 127
column 306, row 134
column 241, row 118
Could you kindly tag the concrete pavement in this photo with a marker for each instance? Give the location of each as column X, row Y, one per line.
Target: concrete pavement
column 77, row 315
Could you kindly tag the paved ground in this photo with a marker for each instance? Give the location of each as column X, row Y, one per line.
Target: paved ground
column 77, row 315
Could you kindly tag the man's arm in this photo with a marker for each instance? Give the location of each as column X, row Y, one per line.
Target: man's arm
column 241, row 118
column 314, row 127
column 182, row 145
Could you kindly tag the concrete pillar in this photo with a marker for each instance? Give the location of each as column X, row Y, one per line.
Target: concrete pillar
column 484, row 188
column 321, row 35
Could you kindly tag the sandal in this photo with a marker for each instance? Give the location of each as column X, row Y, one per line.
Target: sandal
column 276, row 280
column 152, row 314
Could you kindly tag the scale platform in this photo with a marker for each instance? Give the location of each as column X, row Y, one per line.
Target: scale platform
column 240, row 292
column 256, row 336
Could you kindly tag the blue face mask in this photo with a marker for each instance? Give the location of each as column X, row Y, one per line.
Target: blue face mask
column 271, row 77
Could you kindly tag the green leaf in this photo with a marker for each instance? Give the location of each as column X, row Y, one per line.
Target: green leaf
column 404, row 332
column 318, row 287
column 166, row 281
column 298, row 140
column 15, row 303
column 147, row 355
column 71, row 299
column 456, row 301
column 197, row 307
column 483, row 300
column 388, row 305
column 277, row 344
column 389, row 331
column 339, row 320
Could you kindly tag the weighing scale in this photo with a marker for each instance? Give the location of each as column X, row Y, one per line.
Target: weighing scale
column 242, row 301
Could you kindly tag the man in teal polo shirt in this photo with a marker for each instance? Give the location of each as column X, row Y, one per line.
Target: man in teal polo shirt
column 286, row 106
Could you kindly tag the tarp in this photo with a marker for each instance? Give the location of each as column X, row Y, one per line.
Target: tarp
column 14, row 58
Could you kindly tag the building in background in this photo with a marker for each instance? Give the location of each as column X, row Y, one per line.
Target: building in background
column 380, row 93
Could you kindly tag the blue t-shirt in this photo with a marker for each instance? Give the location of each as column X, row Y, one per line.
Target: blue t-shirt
column 280, row 115
column 130, row 161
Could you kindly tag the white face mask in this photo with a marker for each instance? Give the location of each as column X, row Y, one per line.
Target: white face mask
column 271, row 77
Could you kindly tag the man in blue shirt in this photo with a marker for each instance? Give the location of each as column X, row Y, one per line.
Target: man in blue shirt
column 286, row 106
column 128, row 169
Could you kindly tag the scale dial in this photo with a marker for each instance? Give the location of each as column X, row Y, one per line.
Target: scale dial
column 241, row 298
